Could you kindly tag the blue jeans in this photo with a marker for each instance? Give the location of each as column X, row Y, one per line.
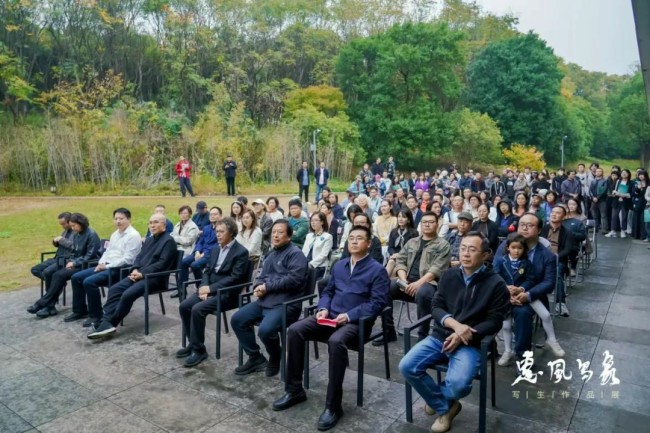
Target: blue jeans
column 319, row 190
column 196, row 265
column 85, row 285
column 464, row 363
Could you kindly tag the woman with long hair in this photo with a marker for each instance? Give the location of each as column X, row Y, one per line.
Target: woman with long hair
column 621, row 203
column 236, row 212
column 639, row 204
column 506, row 220
column 384, row 223
column 250, row 236
column 318, row 244
column 333, row 223
column 399, row 236
column 521, row 204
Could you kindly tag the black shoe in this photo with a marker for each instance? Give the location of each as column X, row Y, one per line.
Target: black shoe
column 184, row 352
column 272, row 368
column 392, row 336
column 257, row 363
column 46, row 312
column 329, row 418
column 289, row 399
column 174, row 295
column 104, row 329
column 92, row 322
column 33, row 309
column 74, row 317
column 195, row 359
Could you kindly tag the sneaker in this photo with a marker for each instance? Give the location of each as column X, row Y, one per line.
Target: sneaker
column 505, row 359
column 646, row 240
column 623, row 235
column 429, row 410
column 572, row 272
column 257, row 363
column 611, row 234
column 104, row 329
column 443, row 422
column 555, row 348
column 46, row 312
column 564, row 310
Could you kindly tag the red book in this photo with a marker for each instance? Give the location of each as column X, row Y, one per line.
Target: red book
column 327, row 322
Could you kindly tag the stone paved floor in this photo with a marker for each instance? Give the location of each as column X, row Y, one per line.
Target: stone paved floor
column 53, row 379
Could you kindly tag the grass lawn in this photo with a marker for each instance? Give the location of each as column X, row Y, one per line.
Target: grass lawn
column 27, row 225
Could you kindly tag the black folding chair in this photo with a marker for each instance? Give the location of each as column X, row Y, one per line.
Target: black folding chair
column 288, row 308
column 488, row 352
column 60, row 262
column 149, row 290
column 365, row 325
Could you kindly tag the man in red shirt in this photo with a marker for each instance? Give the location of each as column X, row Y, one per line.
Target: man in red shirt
column 183, row 168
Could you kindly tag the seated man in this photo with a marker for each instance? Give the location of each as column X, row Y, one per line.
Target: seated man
column 299, row 223
column 471, row 302
column 169, row 226
column 158, row 253
column 562, row 244
column 283, row 278
column 228, row 266
column 454, row 237
column 64, row 250
column 122, row 250
column 198, row 259
column 542, row 284
column 420, row 263
column 357, row 288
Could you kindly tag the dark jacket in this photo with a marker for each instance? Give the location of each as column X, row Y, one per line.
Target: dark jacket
column 360, row 293
column 299, row 175
column 333, row 229
column 377, row 169
column 566, row 243
column 598, row 189
column 393, row 247
column 326, row 176
column 230, row 168
column 504, row 223
column 65, row 247
column 478, row 185
column 201, row 220
column 169, row 228
column 86, row 247
column 544, row 271
column 492, row 232
column 523, row 277
column 483, row 304
column 540, row 184
column 285, row 274
column 233, row 270
column 158, row 253
column 375, row 250
column 206, row 242
column 497, row 188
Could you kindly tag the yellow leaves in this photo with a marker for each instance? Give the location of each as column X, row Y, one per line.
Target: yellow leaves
column 521, row 156
column 12, row 28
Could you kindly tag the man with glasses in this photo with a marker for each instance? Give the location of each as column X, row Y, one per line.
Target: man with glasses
column 542, row 284
column 418, row 266
column 158, row 253
column 471, row 302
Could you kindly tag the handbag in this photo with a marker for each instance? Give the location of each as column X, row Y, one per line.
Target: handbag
column 646, row 216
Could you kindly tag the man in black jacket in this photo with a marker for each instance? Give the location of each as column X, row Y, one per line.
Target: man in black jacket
column 302, row 176
column 230, row 171
column 228, row 266
column 471, row 302
column 159, row 253
column 562, row 244
column 64, row 250
column 497, row 188
column 282, row 279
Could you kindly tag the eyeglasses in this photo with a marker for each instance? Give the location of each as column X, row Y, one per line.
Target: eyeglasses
column 428, row 222
column 527, row 225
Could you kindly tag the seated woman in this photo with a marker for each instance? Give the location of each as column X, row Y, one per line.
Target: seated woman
column 575, row 221
column 489, row 228
column 353, row 211
column 384, row 224
column 536, row 202
column 333, row 224
column 474, row 202
column 521, row 204
column 318, row 244
column 506, row 220
column 185, row 232
column 399, row 236
column 272, row 205
column 236, row 212
column 549, row 204
column 250, row 236
column 86, row 246
column 198, row 260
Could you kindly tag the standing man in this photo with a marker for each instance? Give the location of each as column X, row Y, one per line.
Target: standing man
column 183, row 168
column 377, row 168
column 283, row 278
column 571, row 187
column 123, row 247
column 303, row 180
column 459, row 324
column 321, row 175
column 357, row 288
column 230, row 171
column 228, row 266
column 158, row 253
column 64, row 250
column 598, row 193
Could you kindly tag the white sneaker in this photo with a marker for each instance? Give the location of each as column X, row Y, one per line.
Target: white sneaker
column 555, row 348
column 564, row 310
column 572, row 272
column 611, row 234
column 505, row 358
column 623, row 235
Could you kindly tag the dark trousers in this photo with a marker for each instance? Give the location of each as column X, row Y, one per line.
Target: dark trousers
column 120, row 299
column 423, row 299
column 304, row 188
column 85, row 285
column 46, row 269
column 55, row 287
column 230, row 185
column 196, row 265
column 619, row 216
column 185, row 185
column 337, row 341
column 193, row 312
column 523, row 318
column 599, row 212
column 271, row 324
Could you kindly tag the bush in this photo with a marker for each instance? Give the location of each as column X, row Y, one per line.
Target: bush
column 520, row 156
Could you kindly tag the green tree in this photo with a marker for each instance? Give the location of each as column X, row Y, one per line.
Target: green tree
column 476, row 138
column 400, row 87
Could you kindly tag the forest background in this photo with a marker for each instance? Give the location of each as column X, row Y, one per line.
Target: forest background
column 104, row 95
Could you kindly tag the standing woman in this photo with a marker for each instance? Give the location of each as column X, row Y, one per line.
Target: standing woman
column 639, row 203
column 384, row 224
column 484, row 197
column 521, row 204
column 621, row 203
column 333, row 224
column 185, row 232
column 403, row 183
column 521, row 185
column 422, row 183
column 399, row 236
column 236, row 213
column 272, row 205
column 250, row 236
column 318, row 244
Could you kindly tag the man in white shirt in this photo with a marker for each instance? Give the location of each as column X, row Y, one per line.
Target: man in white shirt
column 123, row 247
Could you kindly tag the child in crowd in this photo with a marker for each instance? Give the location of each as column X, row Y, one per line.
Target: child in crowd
column 517, row 271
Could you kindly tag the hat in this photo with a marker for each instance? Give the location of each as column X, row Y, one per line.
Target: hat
column 542, row 193
column 466, row 216
column 260, row 201
column 201, row 205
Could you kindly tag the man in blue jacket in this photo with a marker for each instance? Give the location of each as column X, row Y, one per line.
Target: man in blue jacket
column 357, row 288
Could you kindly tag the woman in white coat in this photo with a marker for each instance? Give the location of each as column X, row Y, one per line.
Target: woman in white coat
column 185, row 232
column 318, row 244
column 250, row 236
